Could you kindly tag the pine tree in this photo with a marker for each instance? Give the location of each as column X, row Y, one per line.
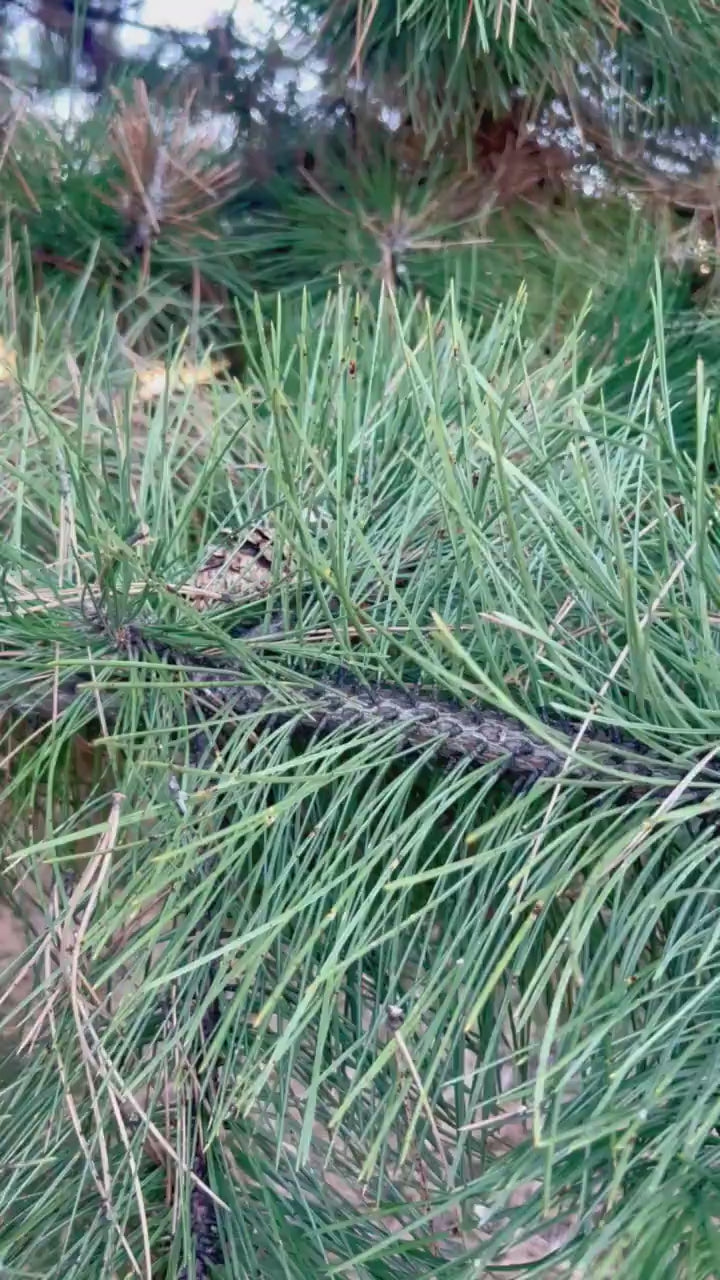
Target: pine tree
column 358, row 648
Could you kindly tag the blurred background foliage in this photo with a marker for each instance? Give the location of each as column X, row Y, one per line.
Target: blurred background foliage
column 558, row 147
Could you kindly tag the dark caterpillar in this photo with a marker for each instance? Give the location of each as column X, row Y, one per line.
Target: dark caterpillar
column 422, row 718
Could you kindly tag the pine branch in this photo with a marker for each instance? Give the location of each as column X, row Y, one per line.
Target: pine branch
column 203, row 1223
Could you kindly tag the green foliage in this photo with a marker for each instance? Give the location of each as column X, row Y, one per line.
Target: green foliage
column 448, row 60
column 402, row 1020
column 551, row 953
column 365, row 216
column 65, row 194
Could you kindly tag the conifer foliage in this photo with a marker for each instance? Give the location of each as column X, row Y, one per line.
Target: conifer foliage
column 359, row 621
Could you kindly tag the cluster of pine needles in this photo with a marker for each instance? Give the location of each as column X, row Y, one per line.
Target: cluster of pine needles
column 319, row 1006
